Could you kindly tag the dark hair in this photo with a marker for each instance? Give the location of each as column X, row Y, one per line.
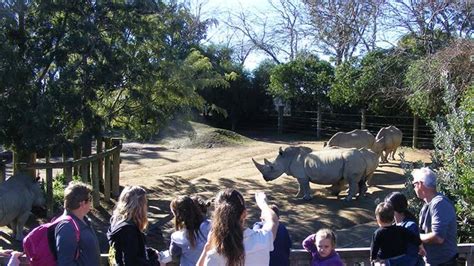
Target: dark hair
column 74, row 193
column 201, row 204
column 384, row 212
column 187, row 216
column 400, row 204
column 227, row 230
column 275, row 209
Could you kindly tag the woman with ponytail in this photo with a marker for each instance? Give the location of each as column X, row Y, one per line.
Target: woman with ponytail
column 403, row 217
column 230, row 243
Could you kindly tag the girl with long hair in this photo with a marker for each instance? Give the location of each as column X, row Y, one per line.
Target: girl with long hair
column 128, row 222
column 230, row 242
column 191, row 232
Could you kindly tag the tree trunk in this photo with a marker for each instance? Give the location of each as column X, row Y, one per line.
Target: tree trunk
column 23, row 157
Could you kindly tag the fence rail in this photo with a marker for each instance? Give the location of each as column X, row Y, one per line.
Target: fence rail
column 299, row 257
column 102, row 167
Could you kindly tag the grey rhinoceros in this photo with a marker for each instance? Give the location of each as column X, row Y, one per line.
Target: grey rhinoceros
column 17, row 196
column 389, row 138
column 327, row 167
column 356, row 138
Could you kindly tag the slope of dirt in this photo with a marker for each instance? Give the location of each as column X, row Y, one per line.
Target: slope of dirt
column 197, row 159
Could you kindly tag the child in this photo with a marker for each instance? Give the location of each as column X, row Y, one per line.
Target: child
column 322, row 247
column 390, row 242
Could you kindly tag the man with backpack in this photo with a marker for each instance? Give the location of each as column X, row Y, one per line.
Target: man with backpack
column 70, row 251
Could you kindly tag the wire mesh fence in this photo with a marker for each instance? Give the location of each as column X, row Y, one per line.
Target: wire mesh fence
column 305, row 122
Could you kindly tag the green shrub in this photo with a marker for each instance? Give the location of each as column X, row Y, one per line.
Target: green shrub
column 59, row 184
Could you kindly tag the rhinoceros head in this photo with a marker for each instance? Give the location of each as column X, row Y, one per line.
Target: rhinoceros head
column 271, row 171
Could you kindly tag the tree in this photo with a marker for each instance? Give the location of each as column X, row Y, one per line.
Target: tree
column 305, row 81
column 339, row 27
column 69, row 70
column 374, row 82
column 277, row 32
column 425, row 76
column 426, row 20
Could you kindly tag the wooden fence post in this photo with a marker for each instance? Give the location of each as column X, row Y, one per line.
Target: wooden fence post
column 318, row 123
column 67, row 174
column 280, row 119
column 116, row 169
column 3, row 171
column 95, row 184
column 100, row 161
column 363, row 121
column 49, row 188
column 415, row 132
column 76, row 154
column 85, row 169
column 107, row 170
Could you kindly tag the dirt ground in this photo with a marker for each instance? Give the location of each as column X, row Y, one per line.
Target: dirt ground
column 196, row 161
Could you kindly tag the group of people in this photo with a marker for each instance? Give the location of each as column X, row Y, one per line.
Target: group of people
column 225, row 240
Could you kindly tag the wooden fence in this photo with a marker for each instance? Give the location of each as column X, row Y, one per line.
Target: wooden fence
column 299, row 257
column 104, row 166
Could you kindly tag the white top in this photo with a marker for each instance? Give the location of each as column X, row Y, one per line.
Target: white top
column 257, row 244
column 180, row 245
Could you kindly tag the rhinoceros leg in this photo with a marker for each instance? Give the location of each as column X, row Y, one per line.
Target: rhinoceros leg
column 304, row 189
column 335, row 189
column 20, row 223
column 362, row 188
column 393, row 154
column 352, row 189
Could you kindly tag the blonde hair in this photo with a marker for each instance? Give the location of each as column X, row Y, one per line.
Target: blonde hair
column 327, row 233
column 132, row 206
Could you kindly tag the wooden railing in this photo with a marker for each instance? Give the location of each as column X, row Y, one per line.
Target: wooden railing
column 104, row 165
column 299, row 257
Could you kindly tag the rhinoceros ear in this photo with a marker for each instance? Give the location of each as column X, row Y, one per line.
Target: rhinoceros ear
column 281, row 151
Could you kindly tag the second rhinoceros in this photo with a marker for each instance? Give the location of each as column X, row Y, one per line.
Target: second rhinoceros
column 326, row 167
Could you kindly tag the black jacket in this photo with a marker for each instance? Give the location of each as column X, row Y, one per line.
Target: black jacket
column 130, row 246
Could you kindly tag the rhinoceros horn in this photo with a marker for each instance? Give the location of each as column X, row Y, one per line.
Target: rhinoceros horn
column 260, row 167
column 267, row 162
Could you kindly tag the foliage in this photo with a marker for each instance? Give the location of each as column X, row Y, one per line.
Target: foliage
column 78, row 70
column 235, row 100
column 425, row 78
column 373, row 82
column 305, row 80
column 454, row 159
column 59, row 184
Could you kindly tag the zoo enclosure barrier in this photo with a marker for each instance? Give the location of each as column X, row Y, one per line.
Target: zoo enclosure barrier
column 299, row 257
column 416, row 132
column 102, row 167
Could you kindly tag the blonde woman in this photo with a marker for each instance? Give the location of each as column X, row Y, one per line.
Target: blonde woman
column 129, row 221
column 230, row 243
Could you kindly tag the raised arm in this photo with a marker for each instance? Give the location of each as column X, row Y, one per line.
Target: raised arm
column 268, row 215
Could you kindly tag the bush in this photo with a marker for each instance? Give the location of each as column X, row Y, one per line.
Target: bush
column 454, row 159
column 59, row 184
